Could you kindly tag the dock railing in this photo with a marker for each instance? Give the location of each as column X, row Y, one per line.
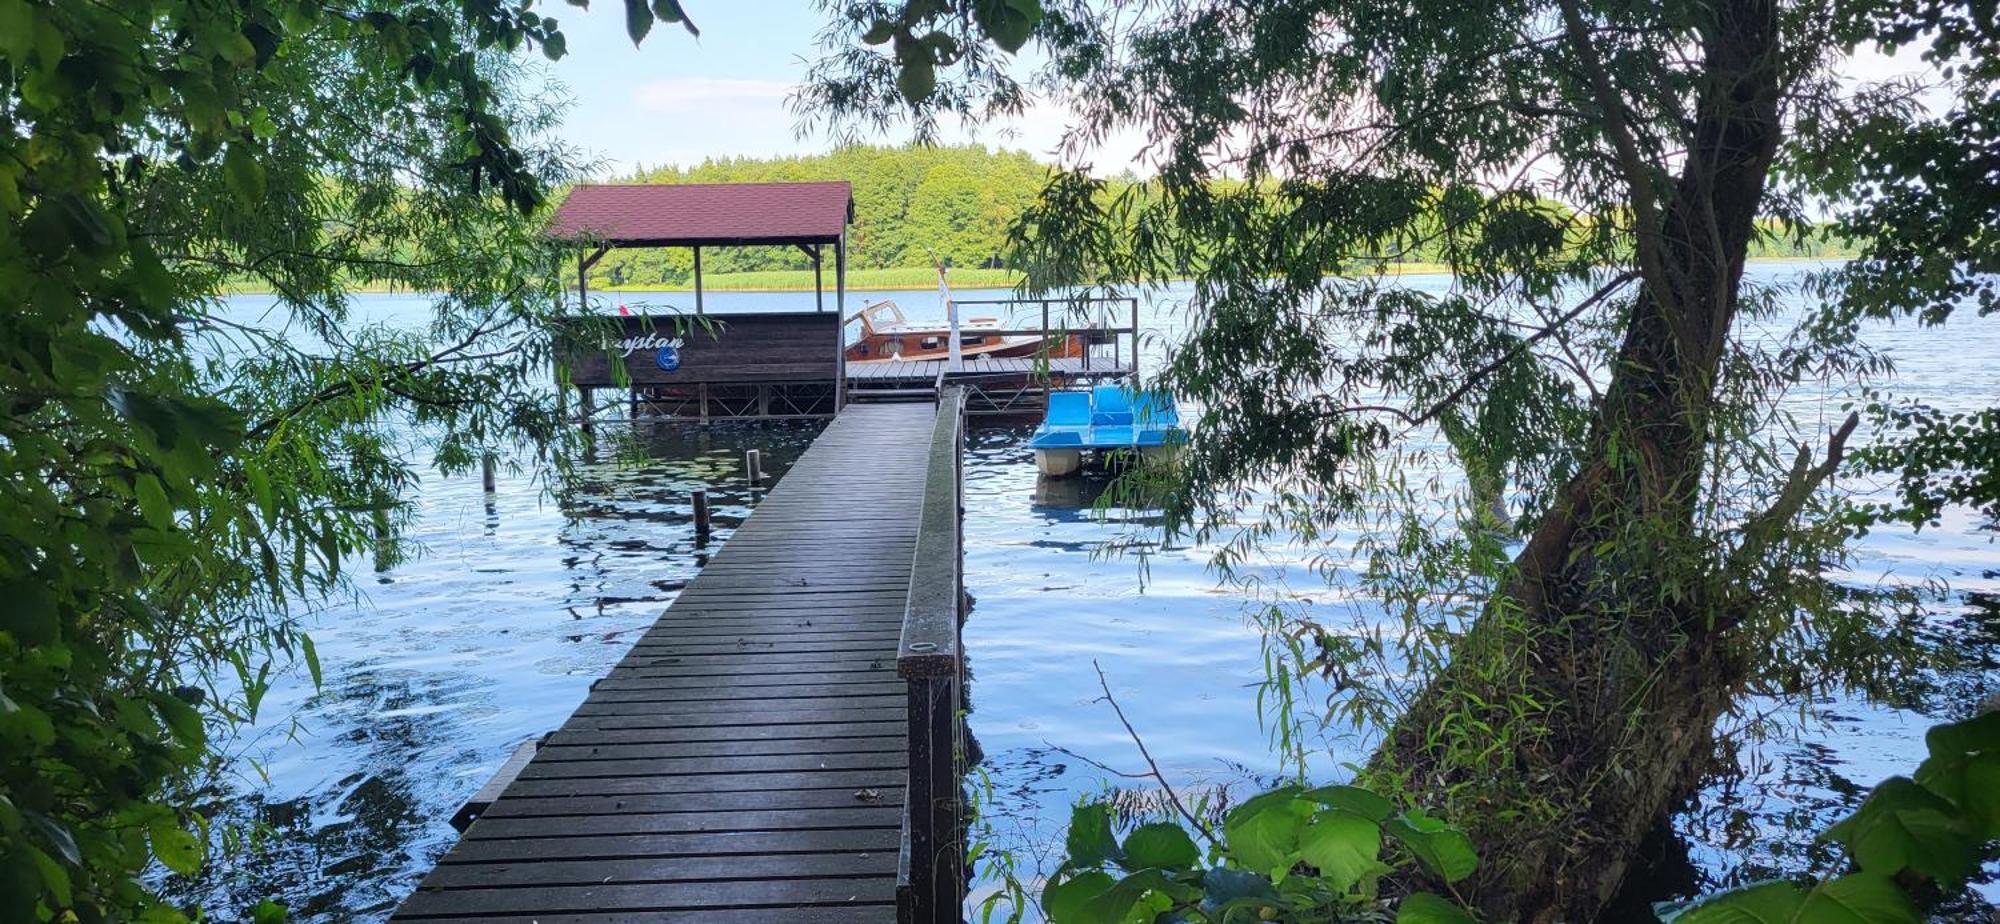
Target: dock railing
column 931, row 879
column 1101, row 319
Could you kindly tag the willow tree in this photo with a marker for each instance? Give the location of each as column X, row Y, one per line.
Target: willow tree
column 1594, row 173
column 180, row 479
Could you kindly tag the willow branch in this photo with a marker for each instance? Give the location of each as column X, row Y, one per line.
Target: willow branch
column 1644, row 200
column 1523, row 346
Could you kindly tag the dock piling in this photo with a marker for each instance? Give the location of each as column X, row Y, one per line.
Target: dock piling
column 753, row 466
column 700, row 498
column 488, row 477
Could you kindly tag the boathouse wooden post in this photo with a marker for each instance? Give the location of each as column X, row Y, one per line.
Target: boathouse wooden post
column 930, row 659
column 697, row 279
column 819, row 278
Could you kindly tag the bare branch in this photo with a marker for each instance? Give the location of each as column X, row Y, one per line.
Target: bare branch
column 1154, row 767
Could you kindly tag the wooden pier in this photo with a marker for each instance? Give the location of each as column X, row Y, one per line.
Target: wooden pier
column 785, row 743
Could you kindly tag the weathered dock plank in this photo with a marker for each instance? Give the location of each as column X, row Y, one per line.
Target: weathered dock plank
column 748, row 759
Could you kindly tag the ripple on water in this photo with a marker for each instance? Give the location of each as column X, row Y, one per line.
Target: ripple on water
column 495, row 635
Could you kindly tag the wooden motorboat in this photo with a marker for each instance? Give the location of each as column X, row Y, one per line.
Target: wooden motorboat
column 887, row 335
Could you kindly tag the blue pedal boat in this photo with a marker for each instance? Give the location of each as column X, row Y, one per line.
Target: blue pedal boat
column 1106, row 418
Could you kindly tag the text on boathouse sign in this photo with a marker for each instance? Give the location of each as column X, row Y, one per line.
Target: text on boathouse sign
column 800, row 347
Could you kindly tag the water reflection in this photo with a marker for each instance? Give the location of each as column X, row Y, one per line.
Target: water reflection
column 488, row 638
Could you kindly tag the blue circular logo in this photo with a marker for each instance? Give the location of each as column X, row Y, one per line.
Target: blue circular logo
column 667, row 358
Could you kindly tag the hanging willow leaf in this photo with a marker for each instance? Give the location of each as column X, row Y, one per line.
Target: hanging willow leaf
column 638, row 20
column 670, row 11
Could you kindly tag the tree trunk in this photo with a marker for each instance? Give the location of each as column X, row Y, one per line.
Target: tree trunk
column 1581, row 705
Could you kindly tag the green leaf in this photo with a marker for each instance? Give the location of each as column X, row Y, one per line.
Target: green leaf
column 670, row 11
column 1160, row 844
column 17, row 29
column 178, row 849
column 30, row 613
column 1090, row 841
column 1904, row 826
column 1136, row 898
column 1425, row 908
column 55, row 879
column 1353, row 799
column 242, row 174
column 1441, row 848
column 1263, row 833
column 1009, row 23
column 1757, row 903
column 182, row 720
column 638, row 20
column 1346, row 847
column 917, row 78
column 1861, row 898
column 260, row 490
column 236, row 48
column 267, row 912
column 153, row 503
column 1223, row 888
column 1064, row 899
column 880, row 32
column 311, row 655
column 1964, row 767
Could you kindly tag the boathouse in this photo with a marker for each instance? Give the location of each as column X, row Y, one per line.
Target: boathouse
column 708, row 364
column 761, row 364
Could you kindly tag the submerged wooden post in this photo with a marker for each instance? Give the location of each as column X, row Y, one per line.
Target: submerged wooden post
column 700, row 498
column 753, row 465
column 487, row 475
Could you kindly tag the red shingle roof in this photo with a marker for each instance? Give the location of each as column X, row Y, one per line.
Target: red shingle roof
column 665, row 215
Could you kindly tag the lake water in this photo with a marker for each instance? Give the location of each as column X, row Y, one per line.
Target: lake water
column 494, row 635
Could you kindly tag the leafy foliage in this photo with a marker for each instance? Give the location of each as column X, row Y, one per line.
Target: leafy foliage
column 1935, row 828
column 1594, row 174
column 179, row 479
column 1290, row 854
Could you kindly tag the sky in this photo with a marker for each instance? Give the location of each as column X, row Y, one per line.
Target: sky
column 678, row 99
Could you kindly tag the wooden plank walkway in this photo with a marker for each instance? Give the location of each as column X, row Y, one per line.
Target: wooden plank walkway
column 747, row 761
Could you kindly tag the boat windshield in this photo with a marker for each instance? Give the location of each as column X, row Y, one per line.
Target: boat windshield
column 880, row 316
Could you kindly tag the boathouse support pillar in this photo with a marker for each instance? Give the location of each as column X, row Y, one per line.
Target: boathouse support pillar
column 840, row 335
column 697, row 279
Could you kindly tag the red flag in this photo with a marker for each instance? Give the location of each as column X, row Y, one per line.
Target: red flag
column 623, row 310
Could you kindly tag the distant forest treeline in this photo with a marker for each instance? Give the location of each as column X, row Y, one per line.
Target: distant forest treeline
column 911, row 204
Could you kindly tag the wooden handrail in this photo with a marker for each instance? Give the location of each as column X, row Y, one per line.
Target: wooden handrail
column 930, row 659
column 929, row 645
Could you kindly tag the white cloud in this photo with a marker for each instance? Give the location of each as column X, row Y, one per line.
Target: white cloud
column 710, row 96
